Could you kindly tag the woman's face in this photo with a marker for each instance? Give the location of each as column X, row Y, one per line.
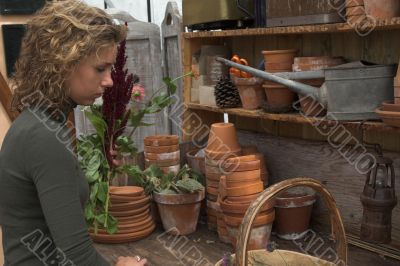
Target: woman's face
column 92, row 76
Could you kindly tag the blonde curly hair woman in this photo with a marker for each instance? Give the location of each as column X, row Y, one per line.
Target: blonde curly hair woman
column 66, row 59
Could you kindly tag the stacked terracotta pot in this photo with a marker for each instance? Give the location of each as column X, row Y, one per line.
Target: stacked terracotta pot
column 309, row 106
column 222, row 144
column 389, row 112
column 279, row 97
column 252, row 150
column 355, row 11
column 131, row 207
column 241, row 185
column 162, row 151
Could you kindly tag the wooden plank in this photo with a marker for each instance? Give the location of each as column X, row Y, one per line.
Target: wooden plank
column 386, row 24
column 6, row 97
column 289, row 158
column 171, row 29
column 292, row 117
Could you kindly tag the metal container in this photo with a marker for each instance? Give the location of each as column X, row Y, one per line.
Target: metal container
column 351, row 91
column 378, row 199
column 217, row 14
column 303, row 12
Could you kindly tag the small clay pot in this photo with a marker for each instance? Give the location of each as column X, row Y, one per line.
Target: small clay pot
column 179, row 211
column 278, row 66
column 382, row 9
column 161, row 140
column 250, row 92
column 161, row 149
column 390, row 106
column 293, row 211
column 279, row 96
column 389, row 118
column 222, row 138
column 254, row 188
column 197, row 163
column 279, row 56
column 258, row 238
column 174, row 156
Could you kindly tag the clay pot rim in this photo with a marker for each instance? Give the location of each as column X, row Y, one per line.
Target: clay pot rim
column 131, row 212
column 212, row 190
column 260, row 220
column 161, row 140
column 387, row 114
column 126, row 190
column 179, row 199
column 297, row 197
column 270, row 52
column 257, row 187
column 242, row 207
column 243, row 176
column 105, row 238
column 132, row 204
column 133, row 217
column 161, row 149
column 221, row 154
column 390, row 104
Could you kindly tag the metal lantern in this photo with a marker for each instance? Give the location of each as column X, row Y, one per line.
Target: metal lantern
column 378, row 199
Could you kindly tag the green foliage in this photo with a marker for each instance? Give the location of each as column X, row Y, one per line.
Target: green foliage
column 153, row 179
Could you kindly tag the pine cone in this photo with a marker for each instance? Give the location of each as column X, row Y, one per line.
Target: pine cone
column 226, row 94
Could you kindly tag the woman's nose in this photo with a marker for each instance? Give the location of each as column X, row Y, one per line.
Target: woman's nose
column 107, row 80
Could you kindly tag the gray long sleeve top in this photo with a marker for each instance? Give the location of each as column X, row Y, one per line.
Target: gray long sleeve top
column 42, row 195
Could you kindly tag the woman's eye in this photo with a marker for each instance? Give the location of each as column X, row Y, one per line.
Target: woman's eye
column 100, row 69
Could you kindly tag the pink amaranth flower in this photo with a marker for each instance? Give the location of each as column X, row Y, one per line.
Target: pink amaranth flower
column 138, row 92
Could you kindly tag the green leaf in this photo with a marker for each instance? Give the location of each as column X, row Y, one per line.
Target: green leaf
column 171, row 86
column 93, row 177
column 136, row 117
column 89, row 215
column 101, row 218
column 189, row 185
column 99, row 124
column 102, row 192
column 112, row 226
column 93, row 191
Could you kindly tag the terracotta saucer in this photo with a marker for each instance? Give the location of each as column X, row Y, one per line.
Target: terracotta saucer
column 243, row 176
column 125, row 199
column 128, row 219
column 126, row 191
column 245, row 190
column 390, row 106
column 130, row 213
column 161, row 140
column 115, row 239
column 260, row 219
column 242, row 163
column 119, row 207
column 228, row 207
column 212, row 191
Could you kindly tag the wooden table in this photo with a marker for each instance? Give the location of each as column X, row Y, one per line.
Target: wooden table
column 203, row 248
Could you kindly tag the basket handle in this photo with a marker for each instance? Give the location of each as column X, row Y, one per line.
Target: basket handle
column 269, row 193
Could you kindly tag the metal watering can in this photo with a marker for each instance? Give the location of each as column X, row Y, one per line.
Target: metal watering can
column 351, row 91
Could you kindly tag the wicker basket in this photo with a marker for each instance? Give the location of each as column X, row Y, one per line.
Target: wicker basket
column 283, row 257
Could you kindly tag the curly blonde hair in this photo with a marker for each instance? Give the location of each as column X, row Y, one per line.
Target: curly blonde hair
column 59, row 36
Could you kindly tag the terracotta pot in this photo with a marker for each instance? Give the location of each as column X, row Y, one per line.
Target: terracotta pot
column 250, row 92
column 161, row 149
column 259, row 237
column 211, row 183
column 161, row 163
column 130, row 212
column 389, row 118
column 241, row 208
column 350, row 3
column 279, row 96
column 173, row 168
column 278, row 66
column 174, row 156
column 355, row 11
column 213, row 170
column 254, row 188
column 279, row 56
column 397, row 100
column 241, row 199
column 293, row 212
column 222, row 155
column 212, row 191
column 161, row 140
column 247, row 150
column 129, row 219
column 261, row 219
column 122, row 238
column 382, row 9
column 213, row 176
column 222, row 138
column 179, row 211
column 126, row 206
column 242, row 163
column 244, row 176
column 390, row 106
column 124, row 199
column 212, row 197
column 195, row 162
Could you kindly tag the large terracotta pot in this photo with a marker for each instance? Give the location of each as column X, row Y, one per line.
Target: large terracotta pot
column 222, row 139
column 279, row 56
column 278, row 97
column 180, row 211
column 293, row 212
column 382, row 9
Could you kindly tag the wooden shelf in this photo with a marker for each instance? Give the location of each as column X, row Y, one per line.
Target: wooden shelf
column 293, row 118
column 387, row 24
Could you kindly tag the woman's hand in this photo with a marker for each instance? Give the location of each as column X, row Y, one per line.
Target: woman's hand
column 117, row 160
column 131, row 261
